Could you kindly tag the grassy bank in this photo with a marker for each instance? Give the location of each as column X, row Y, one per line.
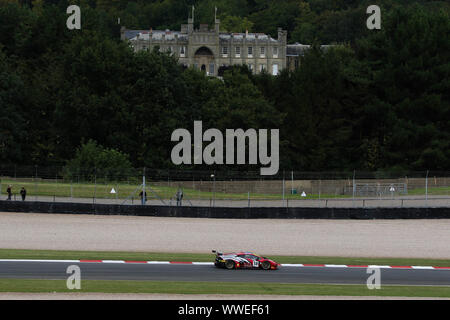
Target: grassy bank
column 190, row 287
column 205, row 257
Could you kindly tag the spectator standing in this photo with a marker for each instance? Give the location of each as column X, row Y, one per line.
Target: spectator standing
column 143, row 196
column 9, row 192
column 23, row 193
column 179, row 196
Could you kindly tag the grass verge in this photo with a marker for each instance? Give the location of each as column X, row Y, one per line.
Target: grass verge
column 189, row 287
column 204, row 257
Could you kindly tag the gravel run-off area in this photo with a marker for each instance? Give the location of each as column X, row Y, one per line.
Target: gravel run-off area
column 346, row 238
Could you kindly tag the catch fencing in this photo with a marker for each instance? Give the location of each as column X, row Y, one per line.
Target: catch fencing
column 227, row 188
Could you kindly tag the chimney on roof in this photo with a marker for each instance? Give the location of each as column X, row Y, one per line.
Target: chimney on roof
column 217, row 22
column 282, row 35
column 246, row 33
column 190, row 27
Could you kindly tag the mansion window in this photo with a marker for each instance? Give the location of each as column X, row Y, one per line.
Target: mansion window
column 262, row 67
column 182, row 51
column 250, row 67
column 225, row 52
column 238, row 52
column 250, row 52
column 275, row 52
column 275, row 69
column 263, row 52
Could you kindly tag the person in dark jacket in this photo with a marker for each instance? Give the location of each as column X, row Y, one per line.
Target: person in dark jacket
column 143, row 196
column 9, row 192
column 23, row 193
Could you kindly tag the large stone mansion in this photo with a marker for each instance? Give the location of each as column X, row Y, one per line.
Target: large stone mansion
column 213, row 51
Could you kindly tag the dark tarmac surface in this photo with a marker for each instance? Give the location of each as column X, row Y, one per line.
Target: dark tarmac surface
column 182, row 272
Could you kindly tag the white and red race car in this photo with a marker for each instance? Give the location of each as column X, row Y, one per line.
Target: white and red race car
column 243, row 260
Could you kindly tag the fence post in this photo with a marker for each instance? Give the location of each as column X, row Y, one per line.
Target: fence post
column 292, row 182
column 35, row 183
column 320, row 187
column 426, row 189
column 354, row 186
column 144, row 197
column 214, row 188
column 95, row 185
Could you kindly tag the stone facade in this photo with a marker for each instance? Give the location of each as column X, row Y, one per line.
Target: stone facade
column 213, row 51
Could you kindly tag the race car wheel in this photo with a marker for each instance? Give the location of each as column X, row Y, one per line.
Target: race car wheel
column 229, row 264
column 265, row 265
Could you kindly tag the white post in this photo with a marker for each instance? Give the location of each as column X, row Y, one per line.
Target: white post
column 426, row 189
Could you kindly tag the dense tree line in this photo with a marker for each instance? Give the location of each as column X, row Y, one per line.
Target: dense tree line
column 378, row 100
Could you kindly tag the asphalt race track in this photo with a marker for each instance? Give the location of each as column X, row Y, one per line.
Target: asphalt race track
column 182, row 272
